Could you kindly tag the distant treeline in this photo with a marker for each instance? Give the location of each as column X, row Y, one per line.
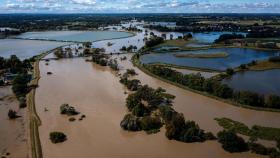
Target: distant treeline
column 33, row 22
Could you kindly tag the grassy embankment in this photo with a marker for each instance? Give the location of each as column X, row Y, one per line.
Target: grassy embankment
column 182, row 44
column 136, row 62
column 35, row 148
column 265, row 133
column 264, row 65
column 203, row 55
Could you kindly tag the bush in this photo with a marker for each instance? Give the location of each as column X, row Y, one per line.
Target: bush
column 175, row 126
column 154, row 41
column 130, row 123
column 274, row 59
column 71, row 119
column 68, row 110
column 140, row 110
column 188, row 36
column 20, row 87
column 132, row 101
column 230, row 71
column 192, row 133
column 22, row 102
column 12, row 114
column 57, row 137
column 272, row 101
column 231, row 142
column 258, row 149
column 243, row 66
column 148, row 123
column 225, row 37
column 249, row 98
column 131, row 72
column 223, row 91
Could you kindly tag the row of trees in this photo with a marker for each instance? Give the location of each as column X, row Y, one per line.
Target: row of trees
column 129, row 48
column 226, row 37
column 15, row 65
column 216, row 88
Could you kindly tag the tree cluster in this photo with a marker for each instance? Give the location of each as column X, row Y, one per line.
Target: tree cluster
column 153, row 41
column 231, row 142
column 68, row 110
column 57, row 137
column 226, row 37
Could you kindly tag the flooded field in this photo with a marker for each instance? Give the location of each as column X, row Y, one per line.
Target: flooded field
column 26, row 48
column 96, row 92
column 236, row 57
column 13, row 133
column 80, row 36
column 262, row 82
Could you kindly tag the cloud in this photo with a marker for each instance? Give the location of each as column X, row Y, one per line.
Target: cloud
column 137, row 6
column 84, row 2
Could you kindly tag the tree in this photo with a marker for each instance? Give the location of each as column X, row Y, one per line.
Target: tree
column 187, row 36
column 12, row 114
column 230, row 71
column 57, row 137
column 231, row 142
column 154, row 41
column 68, row 110
column 20, row 87
column 272, row 101
column 130, row 123
column 150, row 123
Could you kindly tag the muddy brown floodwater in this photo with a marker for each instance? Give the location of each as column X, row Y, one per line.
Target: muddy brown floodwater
column 96, row 92
column 13, row 134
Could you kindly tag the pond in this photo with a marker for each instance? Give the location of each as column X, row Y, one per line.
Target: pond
column 75, row 36
column 26, row 48
column 262, row 82
column 236, row 57
column 210, row 37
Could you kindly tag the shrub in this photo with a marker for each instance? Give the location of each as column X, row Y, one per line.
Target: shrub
column 175, row 126
column 230, row 71
column 22, row 102
column 131, row 72
column 154, row 41
column 148, row 123
column 231, row 142
column 223, row 91
column 20, row 87
column 243, row 66
column 249, row 98
column 274, row 59
column 192, row 133
column 12, row 114
column 258, row 149
column 225, row 37
column 71, row 119
column 272, row 101
column 187, row 36
column 130, row 123
column 57, row 137
column 140, row 110
column 68, row 110
column 209, row 136
column 132, row 101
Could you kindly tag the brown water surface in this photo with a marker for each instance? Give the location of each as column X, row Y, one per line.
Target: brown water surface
column 96, row 92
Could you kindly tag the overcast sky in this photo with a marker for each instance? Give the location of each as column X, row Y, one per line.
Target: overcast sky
column 139, row 6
